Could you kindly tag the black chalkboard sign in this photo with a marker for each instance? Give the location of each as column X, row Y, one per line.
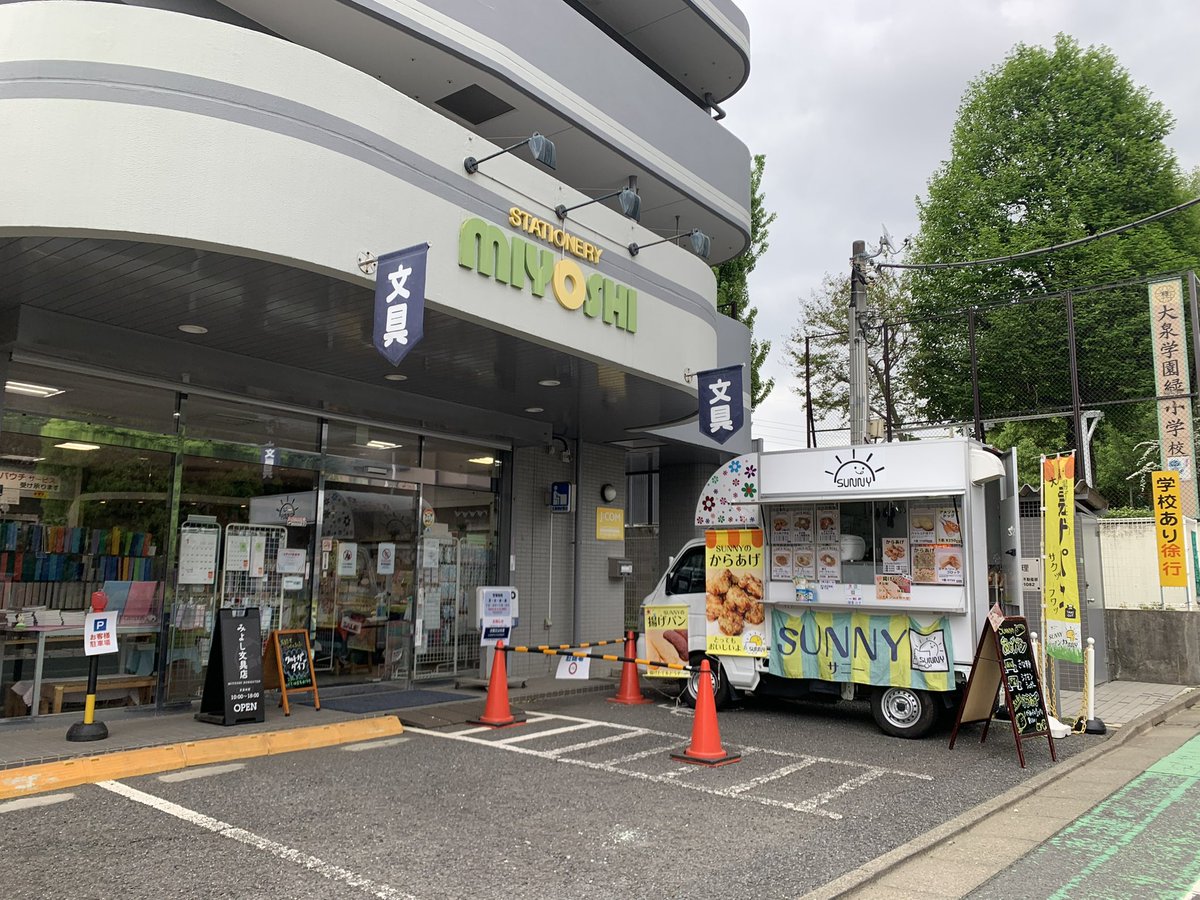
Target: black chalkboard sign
column 233, row 684
column 1004, row 661
column 287, row 664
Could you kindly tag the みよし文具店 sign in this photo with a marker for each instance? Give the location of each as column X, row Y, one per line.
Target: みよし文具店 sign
column 518, row 263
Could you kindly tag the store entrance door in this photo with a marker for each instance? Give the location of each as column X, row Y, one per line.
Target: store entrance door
column 363, row 627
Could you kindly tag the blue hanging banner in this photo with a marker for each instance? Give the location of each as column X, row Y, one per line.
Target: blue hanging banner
column 400, row 302
column 720, row 395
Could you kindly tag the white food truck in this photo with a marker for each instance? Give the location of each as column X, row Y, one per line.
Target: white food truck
column 843, row 573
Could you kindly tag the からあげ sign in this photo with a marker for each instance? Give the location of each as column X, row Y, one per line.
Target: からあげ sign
column 733, row 583
column 516, row 262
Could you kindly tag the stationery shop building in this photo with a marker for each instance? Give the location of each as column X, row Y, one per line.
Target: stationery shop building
column 196, row 414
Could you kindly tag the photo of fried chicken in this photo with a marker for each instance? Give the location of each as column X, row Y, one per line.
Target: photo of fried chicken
column 730, row 623
column 713, row 606
column 720, row 584
column 752, row 586
column 737, row 600
column 755, row 614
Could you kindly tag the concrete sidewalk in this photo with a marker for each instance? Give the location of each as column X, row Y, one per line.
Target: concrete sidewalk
column 25, row 742
column 955, row 858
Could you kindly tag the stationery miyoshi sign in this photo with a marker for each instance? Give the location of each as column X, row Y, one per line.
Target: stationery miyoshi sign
column 518, row 262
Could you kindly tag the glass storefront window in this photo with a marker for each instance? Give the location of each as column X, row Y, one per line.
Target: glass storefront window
column 78, row 516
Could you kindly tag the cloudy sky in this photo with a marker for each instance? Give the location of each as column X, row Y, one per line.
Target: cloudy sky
column 852, row 103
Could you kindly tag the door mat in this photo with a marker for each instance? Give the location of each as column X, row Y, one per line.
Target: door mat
column 382, row 701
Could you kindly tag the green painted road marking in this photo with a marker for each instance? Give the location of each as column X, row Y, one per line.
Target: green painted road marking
column 1112, row 826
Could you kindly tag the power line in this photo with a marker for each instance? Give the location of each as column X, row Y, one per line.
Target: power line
column 1041, row 250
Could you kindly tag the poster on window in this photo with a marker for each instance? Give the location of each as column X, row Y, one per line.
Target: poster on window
column 948, row 561
column 895, row 556
column 804, row 562
column 893, row 587
column 781, row 563
column 949, row 531
column 922, row 525
column 828, row 530
column 802, row 524
column 781, row 526
column 829, row 565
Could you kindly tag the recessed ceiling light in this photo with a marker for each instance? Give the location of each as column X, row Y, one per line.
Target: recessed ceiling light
column 395, row 376
column 549, row 382
column 77, row 445
column 381, row 445
column 31, row 390
column 16, row 457
column 483, row 460
column 193, row 329
column 534, row 409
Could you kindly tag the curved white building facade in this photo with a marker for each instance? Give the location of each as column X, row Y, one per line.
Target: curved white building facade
column 191, row 200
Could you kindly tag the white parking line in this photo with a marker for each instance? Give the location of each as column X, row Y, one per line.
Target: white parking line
column 216, row 826
column 533, row 735
column 741, row 791
column 598, row 742
column 202, row 772
column 374, row 745
column 32, row 802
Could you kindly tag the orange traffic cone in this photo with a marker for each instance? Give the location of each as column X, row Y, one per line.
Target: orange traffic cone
column 629, row 690
column 496, row 712
column 705, row 749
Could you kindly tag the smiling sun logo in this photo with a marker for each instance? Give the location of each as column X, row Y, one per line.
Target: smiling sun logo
column 854, row 472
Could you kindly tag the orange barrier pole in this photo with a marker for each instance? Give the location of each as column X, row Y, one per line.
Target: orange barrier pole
column 629, row 691
column 705, row 748
column 496, row 712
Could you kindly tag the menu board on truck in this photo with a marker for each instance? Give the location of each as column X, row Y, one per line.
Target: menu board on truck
column 828, row 529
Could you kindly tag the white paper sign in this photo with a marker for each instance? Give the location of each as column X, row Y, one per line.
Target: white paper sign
column 258, row 556
column 385, row 562
column 198, row 557
column 429, row 559
column 291, row 561
column 1031, row 574
column 99, row 633
column 573, row 667
column 293, row 582
column 495, row 628
column 237, row 553
column 347, row 561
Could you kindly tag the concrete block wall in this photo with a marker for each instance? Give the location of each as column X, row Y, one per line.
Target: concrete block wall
column 1161, row 646
column 547, row 553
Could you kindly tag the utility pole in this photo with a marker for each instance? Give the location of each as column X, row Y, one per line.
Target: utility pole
column 859, row 408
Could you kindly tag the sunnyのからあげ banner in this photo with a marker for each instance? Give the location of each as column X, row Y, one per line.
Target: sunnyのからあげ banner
column 863, row 649
column 1060, row 585
column 733, row 576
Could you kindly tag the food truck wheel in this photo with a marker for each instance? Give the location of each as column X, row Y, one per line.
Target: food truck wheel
column 903, row 712
column 721, row 691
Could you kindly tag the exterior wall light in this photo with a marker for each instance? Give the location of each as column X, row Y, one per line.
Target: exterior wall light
column 540, row 146
column 701, row 243
column 608, row 493
column 631, row 204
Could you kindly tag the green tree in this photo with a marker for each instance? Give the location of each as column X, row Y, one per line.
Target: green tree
column 1051, row 145
column 733, row 292
column 823, row 318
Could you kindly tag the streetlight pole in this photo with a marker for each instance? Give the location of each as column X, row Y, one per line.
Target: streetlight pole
column 859, row 409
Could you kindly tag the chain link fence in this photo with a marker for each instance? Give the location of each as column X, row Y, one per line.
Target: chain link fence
column 1073, row 370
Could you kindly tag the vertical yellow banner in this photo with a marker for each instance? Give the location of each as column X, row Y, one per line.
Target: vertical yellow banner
column 1060, row 590
column 733, row 602
column 1168, row 520
column 1172, row 381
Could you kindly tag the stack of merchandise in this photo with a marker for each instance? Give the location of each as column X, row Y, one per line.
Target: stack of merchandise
column 73, row 617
